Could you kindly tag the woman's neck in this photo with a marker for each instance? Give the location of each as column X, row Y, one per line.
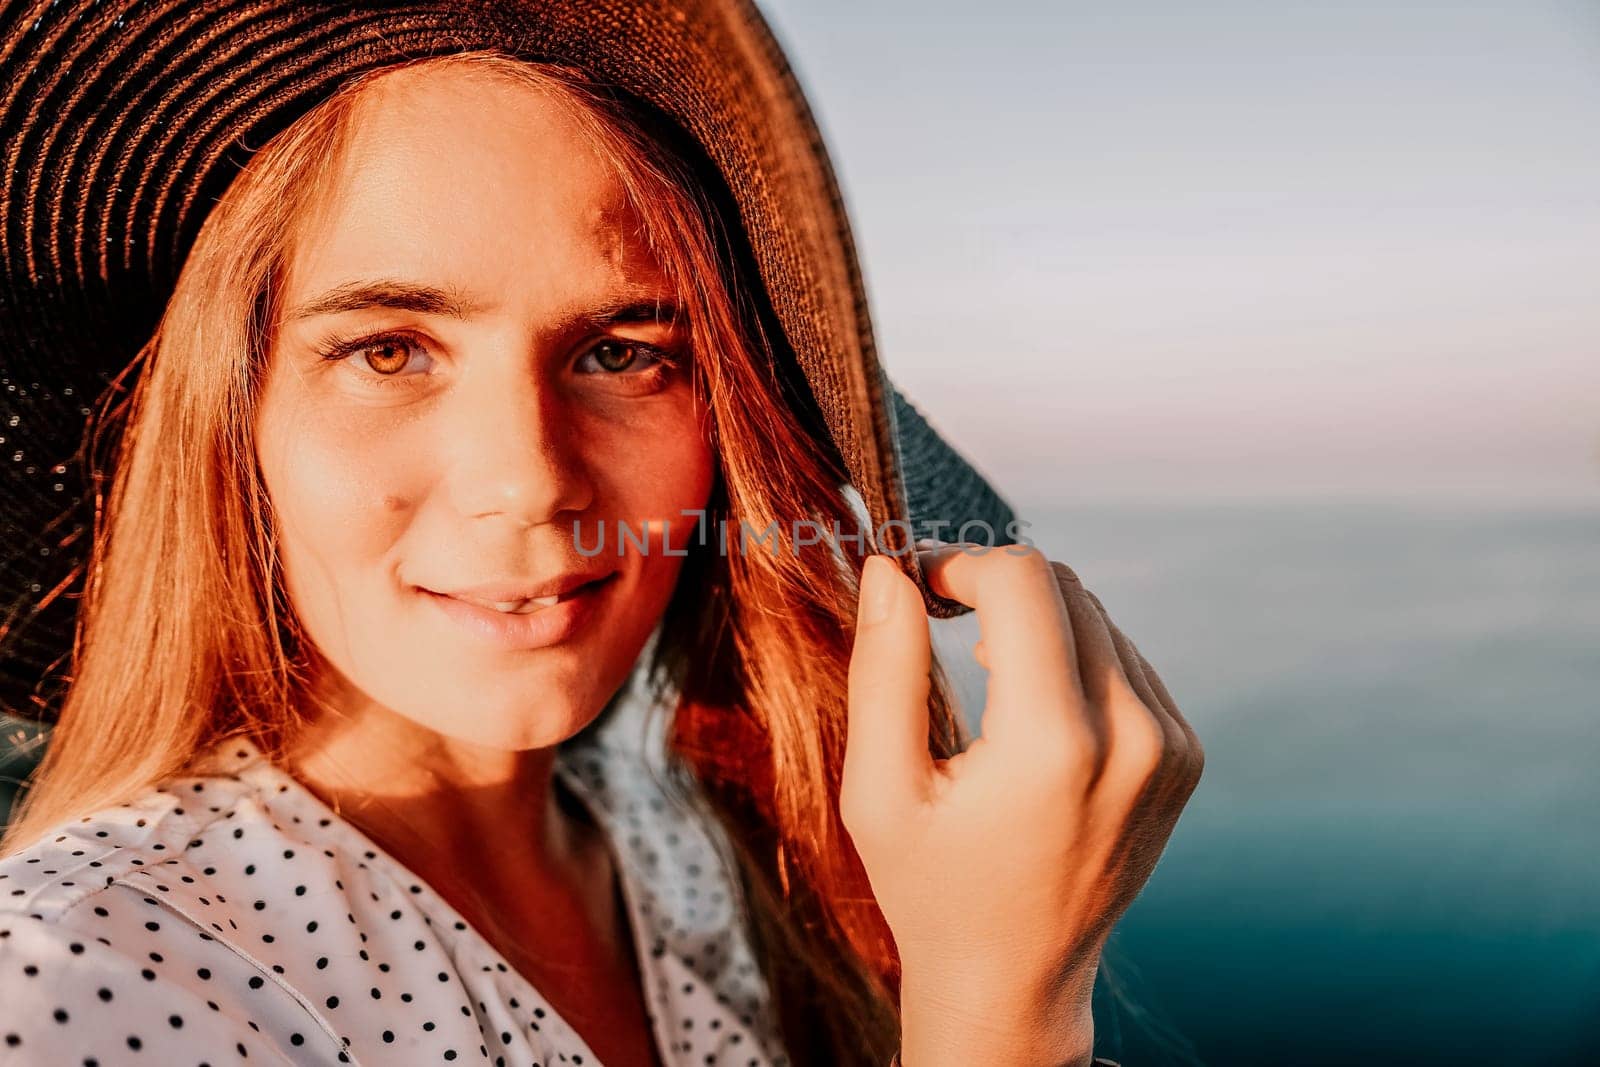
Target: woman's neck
column 490, row 830
column 445, row 795
column 500, row 837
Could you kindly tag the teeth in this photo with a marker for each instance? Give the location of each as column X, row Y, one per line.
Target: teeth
column 525, row 607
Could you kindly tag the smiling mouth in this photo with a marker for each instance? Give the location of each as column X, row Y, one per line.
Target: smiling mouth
column 527, row 605
column 530, row 623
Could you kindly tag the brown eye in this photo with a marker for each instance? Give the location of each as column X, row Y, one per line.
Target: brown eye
column 381, row 358
column 386, row 356
column 615, row 355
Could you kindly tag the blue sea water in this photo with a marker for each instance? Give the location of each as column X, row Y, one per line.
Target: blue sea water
column 1394, row 853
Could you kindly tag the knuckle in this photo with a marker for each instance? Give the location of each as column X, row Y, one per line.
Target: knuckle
column 1193, row 751
column 1141, row 746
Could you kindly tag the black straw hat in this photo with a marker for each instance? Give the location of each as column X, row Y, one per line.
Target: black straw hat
column 121, row 121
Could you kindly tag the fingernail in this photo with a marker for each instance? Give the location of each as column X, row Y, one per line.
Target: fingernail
column 877, row 591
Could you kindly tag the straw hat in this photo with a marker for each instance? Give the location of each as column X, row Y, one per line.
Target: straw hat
column 121, row 121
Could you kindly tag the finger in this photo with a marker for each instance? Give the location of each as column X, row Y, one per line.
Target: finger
column 886, row 743
column 1133, row 665
column 1127, row 657
column 926, row 547
column 1137, row 734
column 1194, row 753
column 1182, row 740
column 1099, row 665
column 1167, row 702
column 1028, row 639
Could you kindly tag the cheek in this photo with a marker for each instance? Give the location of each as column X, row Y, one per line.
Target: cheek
column 656, row 468
column 335, row 506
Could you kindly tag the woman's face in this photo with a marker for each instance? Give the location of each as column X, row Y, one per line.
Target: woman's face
column 502, row 378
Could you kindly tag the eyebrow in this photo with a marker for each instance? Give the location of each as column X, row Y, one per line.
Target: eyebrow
column 402, row 296
column 430, row 300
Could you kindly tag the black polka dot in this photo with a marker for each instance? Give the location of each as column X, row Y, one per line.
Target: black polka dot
column 289, row 855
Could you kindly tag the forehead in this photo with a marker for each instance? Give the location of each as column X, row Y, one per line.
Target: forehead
column 468, row 178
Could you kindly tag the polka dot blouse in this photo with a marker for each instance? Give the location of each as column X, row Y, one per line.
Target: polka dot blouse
column 231, row 917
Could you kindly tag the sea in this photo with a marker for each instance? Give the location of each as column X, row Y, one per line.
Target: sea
column 1394, row 853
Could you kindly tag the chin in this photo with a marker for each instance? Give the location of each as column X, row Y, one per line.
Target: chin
column 519, row 712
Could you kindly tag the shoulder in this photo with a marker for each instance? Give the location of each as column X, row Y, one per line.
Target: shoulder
column 171, row 840
column 117, row 936
column 57, row 872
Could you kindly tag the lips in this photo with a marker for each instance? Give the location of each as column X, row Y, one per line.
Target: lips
column 514, row 607
column 491, row 594
column 543, row 621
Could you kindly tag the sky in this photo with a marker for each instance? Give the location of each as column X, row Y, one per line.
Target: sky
column 1162, row 249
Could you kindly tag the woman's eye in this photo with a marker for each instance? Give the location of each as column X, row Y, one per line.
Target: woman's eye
column 381, row 356
column 622, row 357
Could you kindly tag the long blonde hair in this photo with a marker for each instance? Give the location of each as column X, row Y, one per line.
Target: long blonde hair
column 186, row 636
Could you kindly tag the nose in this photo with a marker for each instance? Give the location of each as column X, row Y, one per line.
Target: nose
column 516, row 455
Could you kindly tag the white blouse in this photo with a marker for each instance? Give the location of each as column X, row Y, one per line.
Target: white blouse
column 232, row 917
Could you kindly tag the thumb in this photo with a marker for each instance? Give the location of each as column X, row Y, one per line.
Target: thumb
column 886, row 761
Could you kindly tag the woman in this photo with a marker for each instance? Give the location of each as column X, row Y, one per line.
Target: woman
column 412, row 552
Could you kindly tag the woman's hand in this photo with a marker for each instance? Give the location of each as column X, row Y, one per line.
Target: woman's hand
column 1002, row 870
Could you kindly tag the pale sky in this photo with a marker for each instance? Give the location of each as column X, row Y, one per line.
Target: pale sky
column 1163, row 248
